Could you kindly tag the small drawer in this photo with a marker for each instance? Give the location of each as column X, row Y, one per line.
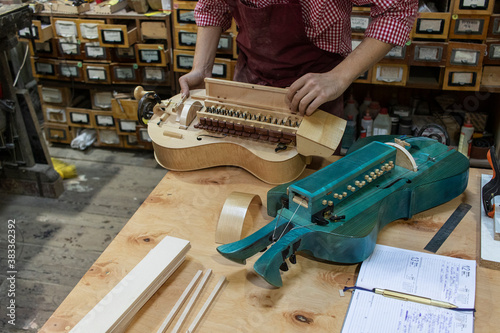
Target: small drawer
column 185, row 37
column 39, row 32
column 88, row 30
column 65, row 27
column 130, row 141
column 70, row 48
column 44, row 68
column 123, row 73
column 54, row 113
column 154, row 30
column 428, row 54
column 183, row 17
column 124, row 108
column 143, row 137
column 151, row 55
column 461, row 79
column 54, row 95
column 101, row 100
column 70, row 70
column 117, row 35
column 108, row 138
column 491, row 77
column 46, row 49
column 94, row 51
column 392, row 74
column 126, row 126
column 123, row 54
column 479, row 7
column 225, row 45
column 398, row 54
column 104, row 120
column 469, row 27
column 58, row 133
column 431, row 26
column 360, row 21
column 465, row 54
column 96, row 73
column 494, row 26
column 183, row 62
column 186, row 4
column 492, row 56
column 79, row 117
column 155, row 75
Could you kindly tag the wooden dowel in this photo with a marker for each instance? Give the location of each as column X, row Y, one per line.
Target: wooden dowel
column 192, row 300
column 206, row 305
column 179, row 303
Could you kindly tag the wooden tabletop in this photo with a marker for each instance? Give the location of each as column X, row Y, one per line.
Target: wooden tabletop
column 187, row 205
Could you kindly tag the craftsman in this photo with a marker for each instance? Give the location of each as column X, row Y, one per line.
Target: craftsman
column 301, row 44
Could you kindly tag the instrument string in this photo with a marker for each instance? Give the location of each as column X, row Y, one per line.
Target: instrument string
column 277, row 220
column 291, row 218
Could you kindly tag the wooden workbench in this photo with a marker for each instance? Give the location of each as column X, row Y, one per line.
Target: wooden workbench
column 187, row 205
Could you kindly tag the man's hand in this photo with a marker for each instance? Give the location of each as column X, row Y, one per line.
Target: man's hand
column 312, row 90
column 191, row 80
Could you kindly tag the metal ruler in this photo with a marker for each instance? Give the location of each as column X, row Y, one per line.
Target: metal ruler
column 447, row 228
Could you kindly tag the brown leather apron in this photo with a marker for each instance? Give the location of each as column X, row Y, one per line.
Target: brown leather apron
column 274, row 48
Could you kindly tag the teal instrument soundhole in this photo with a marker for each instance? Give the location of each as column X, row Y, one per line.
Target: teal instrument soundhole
column 336, row 213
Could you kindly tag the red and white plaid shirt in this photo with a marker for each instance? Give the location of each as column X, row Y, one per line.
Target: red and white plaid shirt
column 327, row 22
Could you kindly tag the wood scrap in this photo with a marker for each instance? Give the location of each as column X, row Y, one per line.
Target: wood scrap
column 209, row 301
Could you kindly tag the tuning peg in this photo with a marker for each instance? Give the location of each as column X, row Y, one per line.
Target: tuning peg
column 284, row 267
column 293, row 259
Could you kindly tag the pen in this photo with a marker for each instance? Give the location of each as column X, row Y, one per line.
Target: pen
column 413, row 298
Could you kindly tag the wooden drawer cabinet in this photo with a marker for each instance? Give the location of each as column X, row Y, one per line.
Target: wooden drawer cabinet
column 70, row 70
column 469, row 27
column 55, row 95
column 104, row 120
column 478, row 7
column 461, row 79
column 38, row 32
column 117, row 35
column 465, row 54
column 151, row 55
column 431, row 26
column 492, row 56
column 391, row 74
column 125, row 73
column 77, row 117
column 54, row 113
column 58, row 133
column 428, row 54
column 88, row 30
column 183, row 62
column 96, row 73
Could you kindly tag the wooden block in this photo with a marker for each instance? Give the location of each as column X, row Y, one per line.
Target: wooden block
column 78, row 117
column 117, row 308
column 96, row 73
column 58, row 133
column 44, row 68
column 491, row 76
column 54, row 113
column 469, row 27
column 125, row 73
column 492, row 56
column 70, row 70
column 461, row 79
column 56, row 95
column 87, row 29
column 390, row 74
column 494, row 26
column 474, row 7
column 68, row 8
column 154, row 30
column 151, row 55
column 124, row 108
column 104, row 120
column 117, row 35
column 65, row 27
column 109, row 7
column 468, row 55
column 490, row 248
column 431, row 26
column 428, row 54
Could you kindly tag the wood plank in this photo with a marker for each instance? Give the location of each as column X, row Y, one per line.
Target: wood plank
column 207, row 303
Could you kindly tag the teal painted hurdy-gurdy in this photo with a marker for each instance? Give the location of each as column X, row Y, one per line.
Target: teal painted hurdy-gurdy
column 336, row 213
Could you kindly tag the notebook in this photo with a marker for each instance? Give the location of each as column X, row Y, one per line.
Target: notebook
column 429, row 276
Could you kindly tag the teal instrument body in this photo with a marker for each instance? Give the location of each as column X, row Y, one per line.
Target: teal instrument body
column 336, row 213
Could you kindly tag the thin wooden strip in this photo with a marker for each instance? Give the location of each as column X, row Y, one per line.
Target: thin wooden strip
column 206, row 305
column 114, row 311
column 179, row 303
column 192, row 300
column 233, row 215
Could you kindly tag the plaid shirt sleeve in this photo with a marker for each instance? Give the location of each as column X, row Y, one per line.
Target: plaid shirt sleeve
column 392, row 20
column 212, row 13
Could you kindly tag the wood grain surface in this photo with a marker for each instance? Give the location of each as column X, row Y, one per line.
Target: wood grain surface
column 187, row 205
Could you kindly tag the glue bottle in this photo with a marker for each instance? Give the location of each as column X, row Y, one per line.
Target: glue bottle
column 465, row 137
column 382, row 124
column 367, row 124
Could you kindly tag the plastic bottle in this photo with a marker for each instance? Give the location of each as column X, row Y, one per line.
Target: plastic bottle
column 374, row 109
column 366, row 103
column 367, row 124
column 465, row 138
column 350, row 109
column 382, row 124
column 349, row 134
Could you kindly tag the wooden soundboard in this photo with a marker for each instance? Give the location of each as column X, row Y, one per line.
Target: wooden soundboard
column 238, row 124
